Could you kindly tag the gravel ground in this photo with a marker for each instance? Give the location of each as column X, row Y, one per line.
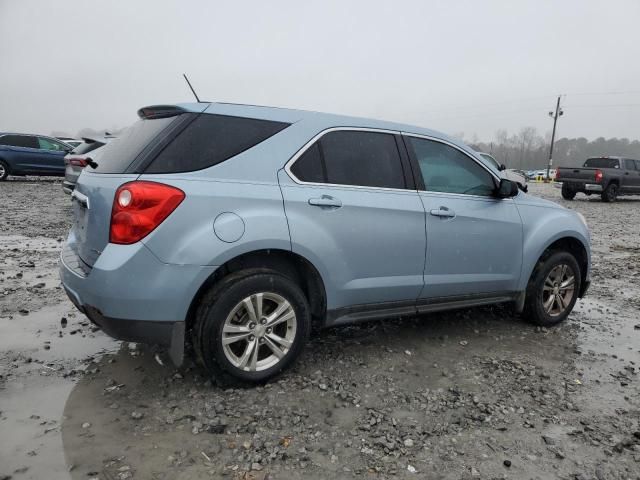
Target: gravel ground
column 469, row 394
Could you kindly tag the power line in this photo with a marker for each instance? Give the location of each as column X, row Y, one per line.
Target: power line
column 628, row 92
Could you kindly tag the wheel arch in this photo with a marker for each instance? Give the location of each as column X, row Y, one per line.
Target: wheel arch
column 288, row 263
column 564, row 243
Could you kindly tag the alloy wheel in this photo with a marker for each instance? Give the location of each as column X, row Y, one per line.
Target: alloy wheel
column 558, row 290
column 259, row 331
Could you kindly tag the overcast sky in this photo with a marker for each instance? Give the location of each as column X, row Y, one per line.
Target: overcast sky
column 456, row 66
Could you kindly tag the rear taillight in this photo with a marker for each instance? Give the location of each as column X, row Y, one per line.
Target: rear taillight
column 77, row 161
column 139, row 207
column 557, row 174
column 598, row 176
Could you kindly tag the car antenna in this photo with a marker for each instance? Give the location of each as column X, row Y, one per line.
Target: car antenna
column 189, row 83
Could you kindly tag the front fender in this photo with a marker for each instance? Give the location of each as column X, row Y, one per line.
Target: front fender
column 543, row 226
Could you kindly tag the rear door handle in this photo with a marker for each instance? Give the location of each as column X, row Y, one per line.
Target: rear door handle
column 325, row 201
column 443, row 212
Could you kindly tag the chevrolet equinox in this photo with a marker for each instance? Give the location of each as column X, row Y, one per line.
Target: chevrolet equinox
column 238, row 228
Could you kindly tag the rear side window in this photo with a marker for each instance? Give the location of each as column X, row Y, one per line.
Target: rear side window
column 212, row 139
column 629, row 164
column 27, row 141
column 602, row 163
column 122, row 151
column 366, row 159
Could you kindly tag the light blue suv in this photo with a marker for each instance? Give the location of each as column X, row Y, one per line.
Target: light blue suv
column 238, row 228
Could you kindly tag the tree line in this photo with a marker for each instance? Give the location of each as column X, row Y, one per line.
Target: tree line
column 528, row 150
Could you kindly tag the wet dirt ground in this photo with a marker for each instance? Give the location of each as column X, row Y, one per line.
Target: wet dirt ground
column 470, row 394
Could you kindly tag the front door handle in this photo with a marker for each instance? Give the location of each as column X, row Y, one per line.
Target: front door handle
column 325, row 201
column 443, row 212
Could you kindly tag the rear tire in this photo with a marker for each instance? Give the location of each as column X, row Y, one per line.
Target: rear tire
column 553, row 289
column 237, row 336
column 568, row 193
column 4, row 170
column 610, row 194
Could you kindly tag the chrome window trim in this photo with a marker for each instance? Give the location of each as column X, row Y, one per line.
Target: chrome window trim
column 321, row 134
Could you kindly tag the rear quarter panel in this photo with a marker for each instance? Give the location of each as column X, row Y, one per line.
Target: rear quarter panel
column 188, row 237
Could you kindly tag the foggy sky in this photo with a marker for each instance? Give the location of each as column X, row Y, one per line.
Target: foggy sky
column 456, row 66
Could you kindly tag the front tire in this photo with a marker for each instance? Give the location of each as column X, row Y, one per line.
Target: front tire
column 568, row 193
column 553, row 289
column 251, row 326
column 610, row 194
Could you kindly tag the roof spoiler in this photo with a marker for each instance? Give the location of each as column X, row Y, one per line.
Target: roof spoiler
column 160, row 111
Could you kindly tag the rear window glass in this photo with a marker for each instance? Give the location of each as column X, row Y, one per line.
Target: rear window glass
column 86, row 147
column 120, row 152
column 212, row 139
column 602, row 163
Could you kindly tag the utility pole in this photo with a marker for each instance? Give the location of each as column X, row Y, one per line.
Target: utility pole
column 558, row 113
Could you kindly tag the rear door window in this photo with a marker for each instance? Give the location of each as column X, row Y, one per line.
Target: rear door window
column 27, row 141
column 211, row 139
column 351, row 157
column 629, row 164
column 309, row 167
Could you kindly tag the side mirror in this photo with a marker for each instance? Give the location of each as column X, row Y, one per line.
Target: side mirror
column 502, row 167
column 507, row 189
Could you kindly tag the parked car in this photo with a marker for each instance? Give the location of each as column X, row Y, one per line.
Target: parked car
column 25, row 154
column 240, row 227
column 607, row 176
column 542, row 173
column 70, row 141
column 79, row 158
column 513, row 175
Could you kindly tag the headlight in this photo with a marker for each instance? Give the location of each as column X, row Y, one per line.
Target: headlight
column 584, row 220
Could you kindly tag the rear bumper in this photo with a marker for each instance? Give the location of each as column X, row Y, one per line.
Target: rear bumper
column 582, row 186
column 133, row 296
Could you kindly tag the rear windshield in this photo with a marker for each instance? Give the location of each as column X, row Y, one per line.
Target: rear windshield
column 211, row 139
column 86, row 147
column 602, row 163
column 120, row 152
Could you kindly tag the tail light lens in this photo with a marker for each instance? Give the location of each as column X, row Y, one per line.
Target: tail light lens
column 77, row 161
column 557, row 174
column 598, row 176
column 139, row 207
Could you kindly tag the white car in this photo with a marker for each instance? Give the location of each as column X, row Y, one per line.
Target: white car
column 70, row 141
column 505, row 172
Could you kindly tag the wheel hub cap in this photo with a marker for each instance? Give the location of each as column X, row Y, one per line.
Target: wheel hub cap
column 259, row 331
column 558, row 290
